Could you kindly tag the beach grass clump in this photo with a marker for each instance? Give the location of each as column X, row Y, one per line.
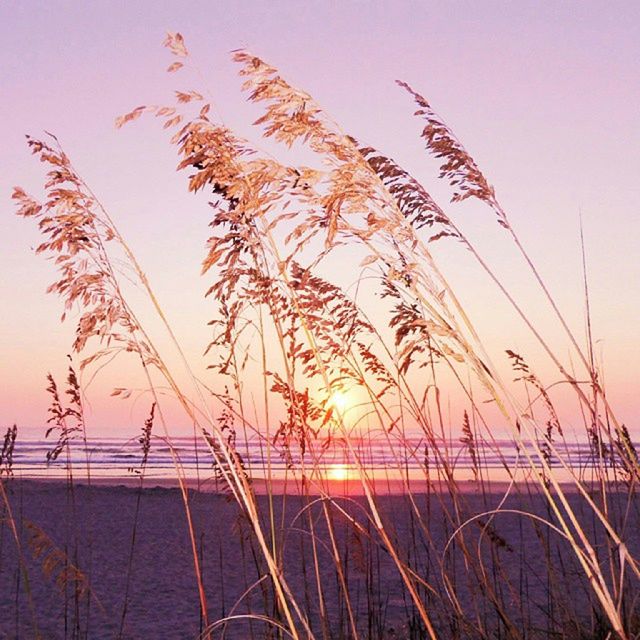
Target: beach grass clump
column 547, row 553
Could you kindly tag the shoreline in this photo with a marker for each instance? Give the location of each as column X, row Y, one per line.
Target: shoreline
column 330, row 487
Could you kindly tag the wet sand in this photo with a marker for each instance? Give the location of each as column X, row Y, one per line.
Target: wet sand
column 94, row 525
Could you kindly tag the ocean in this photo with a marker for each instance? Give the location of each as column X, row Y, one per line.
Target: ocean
column 384, row 456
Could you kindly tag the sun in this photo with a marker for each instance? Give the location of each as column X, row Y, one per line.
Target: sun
column 339, row 401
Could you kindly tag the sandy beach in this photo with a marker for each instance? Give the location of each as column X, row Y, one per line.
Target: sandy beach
column 94, row 526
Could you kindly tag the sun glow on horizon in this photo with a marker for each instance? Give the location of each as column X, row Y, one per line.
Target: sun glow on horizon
column 339, row 401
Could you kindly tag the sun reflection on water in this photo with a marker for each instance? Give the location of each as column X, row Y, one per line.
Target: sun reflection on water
column 339, row 472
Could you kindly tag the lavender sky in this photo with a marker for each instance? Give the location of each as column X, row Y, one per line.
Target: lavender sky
column 545, row 95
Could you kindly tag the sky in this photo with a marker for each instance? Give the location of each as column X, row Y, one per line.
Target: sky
column 545, row 96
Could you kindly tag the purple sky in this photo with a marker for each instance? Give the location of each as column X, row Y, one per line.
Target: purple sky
column 545, row 95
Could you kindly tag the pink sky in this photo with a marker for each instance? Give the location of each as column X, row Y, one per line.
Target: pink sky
column 544, row 95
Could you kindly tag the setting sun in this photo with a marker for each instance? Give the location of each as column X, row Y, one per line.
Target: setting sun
column 339, row 401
